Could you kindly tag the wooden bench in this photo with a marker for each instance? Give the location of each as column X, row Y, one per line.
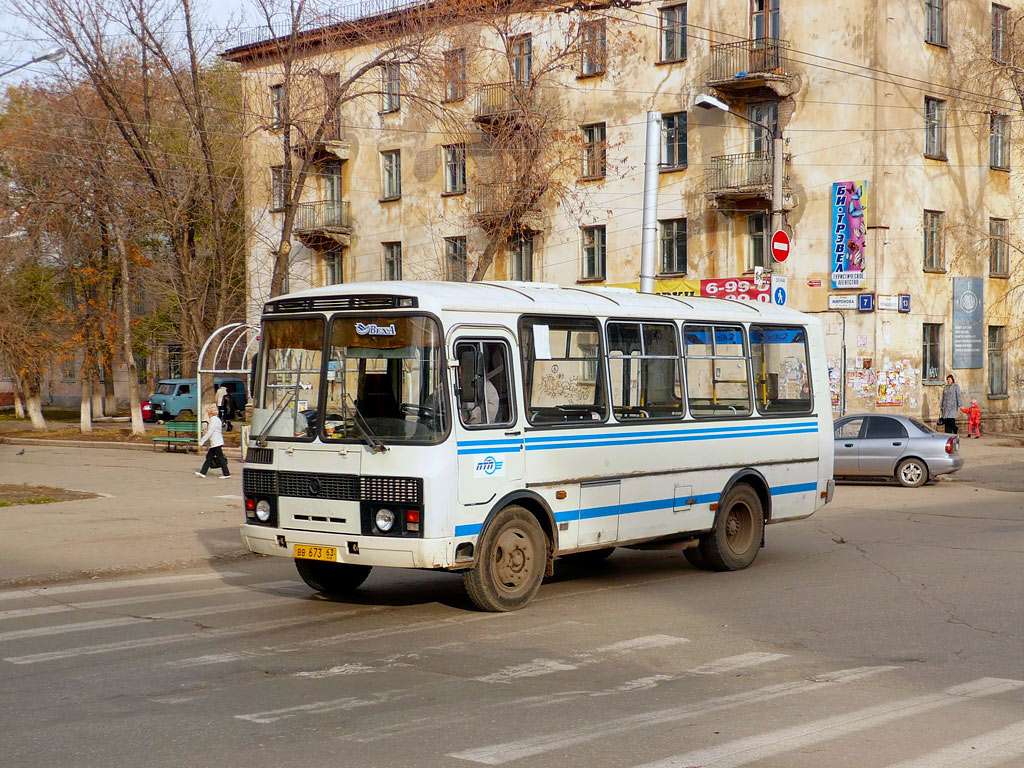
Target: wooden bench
column 179, row 433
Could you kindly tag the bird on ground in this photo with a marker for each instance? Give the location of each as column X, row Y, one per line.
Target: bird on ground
column 20, row 453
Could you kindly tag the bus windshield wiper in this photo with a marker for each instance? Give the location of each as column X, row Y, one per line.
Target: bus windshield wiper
column 292, row 391
column 364, row 429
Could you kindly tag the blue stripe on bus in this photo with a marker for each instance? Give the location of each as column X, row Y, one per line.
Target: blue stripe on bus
column 491, row 449
column 677, row 439
column 781, row 490
column 706, row 431
column 489, row 442
column 468, row 530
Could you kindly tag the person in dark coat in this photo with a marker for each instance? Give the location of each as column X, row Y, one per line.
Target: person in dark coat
column 952, row 402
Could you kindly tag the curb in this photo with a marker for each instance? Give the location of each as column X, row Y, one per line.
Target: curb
column 75, row 443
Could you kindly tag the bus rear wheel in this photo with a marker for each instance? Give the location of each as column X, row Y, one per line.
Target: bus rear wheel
column 332, row 579
column 739, row 528
column 510, row 563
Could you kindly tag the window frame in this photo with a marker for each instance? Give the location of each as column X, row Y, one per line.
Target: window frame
column 277, row 104
column 520, row 52
column 509, row 378
column 935, row 128
column 934, row 241
column 677, row 358
column 767, row 411
column 391, row 87
column 600, row 252
column 455, row 169
column 278, row 188
column 675, row 136
column 757, row 240
column 767, row 17
column 593, row 47
column 456, row 249
column 935, row 22
column 392, row 264
column 594, row 157
column 518, row 245
column 935, row 346
column 998, row 247
column 999, row 141
column 334, row 267
column 1000, row 16
column 714, row 326
column 390, row 175
column 455, row 74
column 672, row 33
column 997, row 350
column 674, row 241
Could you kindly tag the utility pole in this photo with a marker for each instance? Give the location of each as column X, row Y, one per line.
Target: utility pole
column 649, row 234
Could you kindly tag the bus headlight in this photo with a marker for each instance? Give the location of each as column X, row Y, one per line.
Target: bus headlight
column 263, row 510
column 384, row 520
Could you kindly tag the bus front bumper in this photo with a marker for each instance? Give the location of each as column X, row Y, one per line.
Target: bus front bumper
column 362, row 550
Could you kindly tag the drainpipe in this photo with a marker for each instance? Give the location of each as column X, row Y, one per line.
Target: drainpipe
column 649, row 237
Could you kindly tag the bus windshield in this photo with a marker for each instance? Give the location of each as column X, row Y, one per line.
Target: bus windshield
column 386, row 373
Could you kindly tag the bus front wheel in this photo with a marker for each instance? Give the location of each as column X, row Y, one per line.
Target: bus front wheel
column 332, row 579
column 739, row 528
column 511, row 558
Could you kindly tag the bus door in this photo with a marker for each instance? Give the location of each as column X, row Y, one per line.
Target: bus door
column 490, row 442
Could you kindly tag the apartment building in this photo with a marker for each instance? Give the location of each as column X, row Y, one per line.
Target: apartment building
column 895, row 179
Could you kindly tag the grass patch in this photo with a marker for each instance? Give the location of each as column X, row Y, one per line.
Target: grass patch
column 41, row 500
column 12, row 495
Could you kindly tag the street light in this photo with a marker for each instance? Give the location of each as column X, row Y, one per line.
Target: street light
column 704, row 101
column 53, row 54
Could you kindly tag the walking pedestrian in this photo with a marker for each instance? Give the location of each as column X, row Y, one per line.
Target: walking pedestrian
column 973, row 419
column 952, row 402
column 223, row 406
column 215, row 455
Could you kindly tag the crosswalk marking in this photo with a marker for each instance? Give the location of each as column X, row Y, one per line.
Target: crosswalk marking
column 152, row 581
column 318, row 708
column 644, row 643
column 535, row 668
column 753, row 749
column 988, row 749
column 732, row 663
column 498, row 754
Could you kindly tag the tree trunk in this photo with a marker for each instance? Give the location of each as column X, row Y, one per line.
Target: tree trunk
column 34, row 404
column 19, row 403
column 138, row 426
column 97, row 391
column 109, row 397
column 85, row 406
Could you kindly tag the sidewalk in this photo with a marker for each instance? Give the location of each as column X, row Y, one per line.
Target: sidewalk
column 152, row 513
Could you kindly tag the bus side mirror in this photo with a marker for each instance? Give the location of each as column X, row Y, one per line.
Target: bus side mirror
column 470, row 383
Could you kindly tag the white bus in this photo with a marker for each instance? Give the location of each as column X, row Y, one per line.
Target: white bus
column 489, row 428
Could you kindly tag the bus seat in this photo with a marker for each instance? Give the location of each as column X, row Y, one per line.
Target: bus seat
column 378, row 400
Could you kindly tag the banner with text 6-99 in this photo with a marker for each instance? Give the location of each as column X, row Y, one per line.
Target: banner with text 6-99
column 742, row 288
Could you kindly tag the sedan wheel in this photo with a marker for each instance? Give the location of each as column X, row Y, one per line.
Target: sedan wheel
column 912, row 473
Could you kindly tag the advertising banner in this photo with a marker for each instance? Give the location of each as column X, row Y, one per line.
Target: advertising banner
column 968, row 322
column 849, row 233
column 742, row 288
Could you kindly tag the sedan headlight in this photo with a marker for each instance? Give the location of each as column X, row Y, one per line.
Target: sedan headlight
column 384, row 520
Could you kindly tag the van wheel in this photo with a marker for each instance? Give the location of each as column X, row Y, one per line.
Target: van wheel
column 590, row 558
column 739, row 527
column 332, row 579
column 511, row 558
column 912, row 473
column 186, row 414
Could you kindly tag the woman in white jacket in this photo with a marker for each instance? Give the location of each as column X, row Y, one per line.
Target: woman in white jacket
column 215, row 455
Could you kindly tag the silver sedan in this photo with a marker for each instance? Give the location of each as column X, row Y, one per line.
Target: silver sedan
column 875, row 445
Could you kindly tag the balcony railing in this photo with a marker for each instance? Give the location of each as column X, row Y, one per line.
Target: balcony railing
column 735, row 62
column 750, row 172
column 499, row 99
column 322, row 215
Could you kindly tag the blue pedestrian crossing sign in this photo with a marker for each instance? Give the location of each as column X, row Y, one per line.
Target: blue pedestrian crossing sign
column 780, row 289
column 780, row 296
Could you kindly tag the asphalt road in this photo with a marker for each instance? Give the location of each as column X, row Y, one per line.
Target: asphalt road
column 885, row 631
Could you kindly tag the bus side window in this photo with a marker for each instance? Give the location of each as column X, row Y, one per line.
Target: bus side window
column 717, row 383
column 781, row 374
column 484, row 383
column 563, row 370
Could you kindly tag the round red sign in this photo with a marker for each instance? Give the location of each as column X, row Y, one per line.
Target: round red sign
column 780, row 246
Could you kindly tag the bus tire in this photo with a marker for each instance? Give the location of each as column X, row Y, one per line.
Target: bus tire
column 590, row 558
column 733, row 543
column 511, row 558
column 332, row 579
column 696, row 559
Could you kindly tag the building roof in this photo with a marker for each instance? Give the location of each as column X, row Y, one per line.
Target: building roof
column 548, row 298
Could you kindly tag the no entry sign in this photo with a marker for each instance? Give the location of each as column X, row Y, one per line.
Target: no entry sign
column 780, row 246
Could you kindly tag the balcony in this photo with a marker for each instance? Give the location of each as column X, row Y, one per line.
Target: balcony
column 732, row 178
column 750, row 64
column 332, row 144
column 494, row 203
column 323, row 224
column 499, row 103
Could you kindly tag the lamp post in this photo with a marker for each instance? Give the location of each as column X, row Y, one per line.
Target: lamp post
column 53, row 54
column 704, row 101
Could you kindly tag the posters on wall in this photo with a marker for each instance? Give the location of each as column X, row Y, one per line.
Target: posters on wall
column 968, row 322
column 849, row 233
column 896, row 379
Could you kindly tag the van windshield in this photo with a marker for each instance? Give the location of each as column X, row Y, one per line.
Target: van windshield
column 164, row 389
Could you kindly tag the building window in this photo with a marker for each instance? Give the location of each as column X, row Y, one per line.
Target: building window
column 673, row 246
column 594, row 47
column 594, row 253
column 455, row 74
column 392, row 91
column 391, row 174
column 764, row 19
column 520, row 252
column 934, row 128
column 998, row 248
column 757, row 249
column 333, row 272
column 673, row 33
column 1000, row 19
column 455, row 169
column 931, row 353
column 999, row 142
column 278, row 187
column 766, row 114
column 332, row 113
column 455, row 262
column 934, row 256
column 392, row 261
column 996, row 360
column 277, row 105
column 594, row 151
column 521, row 58
column 673, row 133
column 935, row 21
column 174, row 361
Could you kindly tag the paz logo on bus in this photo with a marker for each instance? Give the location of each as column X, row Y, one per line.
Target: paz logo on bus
column 372, row 329
column 489, row 467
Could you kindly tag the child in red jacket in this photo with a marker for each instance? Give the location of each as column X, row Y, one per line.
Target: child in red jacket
column 973, row 419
